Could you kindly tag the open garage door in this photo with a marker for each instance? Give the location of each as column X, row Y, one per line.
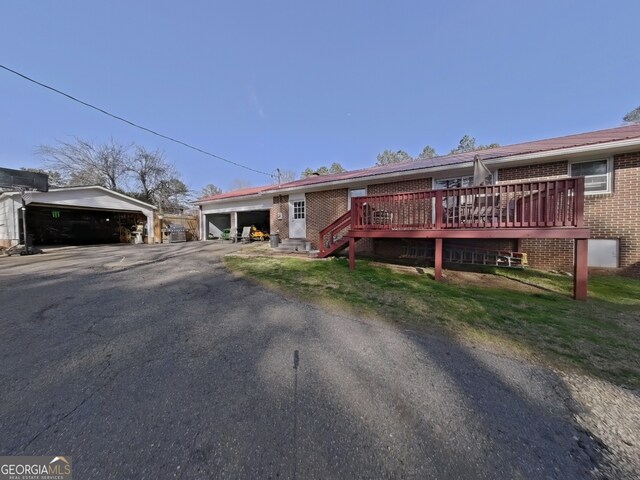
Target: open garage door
column 216, row 223
column 54, row 225
column 257, row 218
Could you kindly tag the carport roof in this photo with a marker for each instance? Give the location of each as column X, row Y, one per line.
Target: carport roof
column 90, row 187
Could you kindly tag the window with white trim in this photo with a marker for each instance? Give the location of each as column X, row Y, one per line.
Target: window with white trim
column 356, row 192
column 596, row 173
column 298, row 210
column 444, row 183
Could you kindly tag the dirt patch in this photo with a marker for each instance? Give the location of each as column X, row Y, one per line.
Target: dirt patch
column 449, row 276
column 465, row 278
column 488, row 281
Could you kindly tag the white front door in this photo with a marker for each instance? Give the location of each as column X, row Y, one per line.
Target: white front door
column 297, row 216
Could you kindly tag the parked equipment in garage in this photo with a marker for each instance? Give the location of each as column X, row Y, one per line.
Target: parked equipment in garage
column 258, row 234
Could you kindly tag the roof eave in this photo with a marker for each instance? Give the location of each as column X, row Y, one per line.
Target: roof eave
column 226, row 199
column 618, row 146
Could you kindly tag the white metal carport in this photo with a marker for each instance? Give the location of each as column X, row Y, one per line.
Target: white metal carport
column 88, row 198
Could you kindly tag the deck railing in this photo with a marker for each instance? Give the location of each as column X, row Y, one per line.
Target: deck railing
column 553, row 203
column 334, row 234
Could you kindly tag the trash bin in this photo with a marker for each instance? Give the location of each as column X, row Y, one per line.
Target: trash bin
column 275, row 240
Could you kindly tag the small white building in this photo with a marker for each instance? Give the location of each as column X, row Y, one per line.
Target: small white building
column 73, row 215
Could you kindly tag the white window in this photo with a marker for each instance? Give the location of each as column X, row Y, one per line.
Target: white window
column 596, row 173
column 444, row 183
column 356, row 192
column 298, row 210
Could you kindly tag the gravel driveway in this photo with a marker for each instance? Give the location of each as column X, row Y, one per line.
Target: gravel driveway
column 154, row 362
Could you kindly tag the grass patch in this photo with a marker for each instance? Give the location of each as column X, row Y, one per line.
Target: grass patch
column 601, row 336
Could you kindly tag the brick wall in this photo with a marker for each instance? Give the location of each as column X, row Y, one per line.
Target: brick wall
column 404, row 186
column 549, row 253
column 322, row 209
column 281, row 226
column 612, row 215
column 546, row 171
column 616, row 215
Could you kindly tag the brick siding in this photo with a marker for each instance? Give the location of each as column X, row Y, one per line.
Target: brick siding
column 549, row 253
column 417, row 185
column 611, row 215
column 322, row 209
column 616, row 215
column 542, row 171
column 280, row 226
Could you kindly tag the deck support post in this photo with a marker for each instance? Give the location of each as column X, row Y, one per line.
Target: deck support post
column 580, row 269
column 519, row 245
column 352, row 253
column 437, row 275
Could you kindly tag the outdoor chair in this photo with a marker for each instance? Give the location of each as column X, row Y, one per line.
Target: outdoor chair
column 246, row 234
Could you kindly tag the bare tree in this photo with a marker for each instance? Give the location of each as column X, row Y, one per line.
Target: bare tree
column 210, row 190
column 83, row 163
column 157, row 180
column 171, row 194
column 149, row 169
column 240, row 183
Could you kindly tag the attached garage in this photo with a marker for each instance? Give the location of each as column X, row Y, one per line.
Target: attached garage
column 219, row 212
column 74, row 216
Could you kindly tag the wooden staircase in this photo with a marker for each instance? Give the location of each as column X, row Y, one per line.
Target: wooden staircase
column 333, row 238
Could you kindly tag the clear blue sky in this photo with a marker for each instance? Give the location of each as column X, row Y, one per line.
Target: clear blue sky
column 296, row 84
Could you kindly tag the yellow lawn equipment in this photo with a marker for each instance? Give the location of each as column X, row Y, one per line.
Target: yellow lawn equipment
column 258, row 234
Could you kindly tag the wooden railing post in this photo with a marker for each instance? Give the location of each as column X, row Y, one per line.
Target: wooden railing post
column 439, row 207
column 437, row 267
column 581, row 269
column 579, row 202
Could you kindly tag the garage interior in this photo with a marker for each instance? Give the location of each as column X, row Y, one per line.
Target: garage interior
column 55, row 225
column 259, row 218
column 216, row 223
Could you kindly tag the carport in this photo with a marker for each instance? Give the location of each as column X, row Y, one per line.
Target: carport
column 74, row 216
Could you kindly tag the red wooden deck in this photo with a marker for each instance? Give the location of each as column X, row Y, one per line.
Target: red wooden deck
column 548, row 209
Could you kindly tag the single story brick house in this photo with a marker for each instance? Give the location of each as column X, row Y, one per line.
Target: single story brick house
column 531, row 190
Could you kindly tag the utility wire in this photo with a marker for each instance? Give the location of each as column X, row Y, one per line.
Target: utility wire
column 175, row 140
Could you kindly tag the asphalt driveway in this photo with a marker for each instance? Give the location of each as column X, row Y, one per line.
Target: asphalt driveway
column 154, row 362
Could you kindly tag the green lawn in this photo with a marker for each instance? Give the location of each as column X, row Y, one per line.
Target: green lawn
column 600, row 336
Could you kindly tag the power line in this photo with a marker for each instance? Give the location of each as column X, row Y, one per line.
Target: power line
column 166, row 137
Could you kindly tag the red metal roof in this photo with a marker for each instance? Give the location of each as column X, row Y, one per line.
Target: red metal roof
column 243, row 192
column 558, row 143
